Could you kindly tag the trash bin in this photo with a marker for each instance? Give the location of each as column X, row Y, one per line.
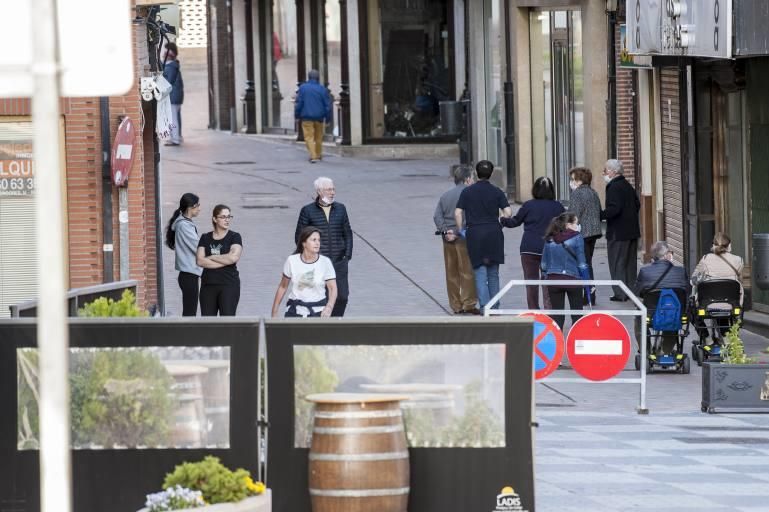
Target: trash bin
column 761, row 260
column 451, row 117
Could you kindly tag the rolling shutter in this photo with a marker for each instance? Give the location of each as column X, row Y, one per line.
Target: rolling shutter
column 18, row 253
column 672, row 176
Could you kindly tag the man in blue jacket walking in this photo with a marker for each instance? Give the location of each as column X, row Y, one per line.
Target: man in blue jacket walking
column 313, row 109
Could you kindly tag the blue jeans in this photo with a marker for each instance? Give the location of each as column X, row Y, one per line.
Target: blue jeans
column 487, row 283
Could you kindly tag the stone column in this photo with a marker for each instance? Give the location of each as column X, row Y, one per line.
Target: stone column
column 249, row 96
column 344, row 93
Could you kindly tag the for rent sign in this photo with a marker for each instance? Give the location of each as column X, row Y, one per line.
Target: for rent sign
column 17, row 172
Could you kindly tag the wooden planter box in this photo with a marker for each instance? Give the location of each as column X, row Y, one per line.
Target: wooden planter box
column 261, row 503
column 735, row 387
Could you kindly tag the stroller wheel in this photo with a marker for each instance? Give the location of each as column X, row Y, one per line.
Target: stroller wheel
column 694, row 351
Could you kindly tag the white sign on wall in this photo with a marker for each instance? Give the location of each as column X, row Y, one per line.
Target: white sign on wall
column 95, row 47
column 696, row 28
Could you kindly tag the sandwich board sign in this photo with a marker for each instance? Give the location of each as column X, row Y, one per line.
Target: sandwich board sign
column 94, row 45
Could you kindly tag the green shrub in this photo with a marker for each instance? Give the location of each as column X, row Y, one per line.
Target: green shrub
column 734, row 348
column 120, row 397
column 217, row 483
column 104, row 307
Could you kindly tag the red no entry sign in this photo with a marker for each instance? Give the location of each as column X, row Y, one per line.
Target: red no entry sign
column 548, row 345
column 598, row 346
column 123, row 152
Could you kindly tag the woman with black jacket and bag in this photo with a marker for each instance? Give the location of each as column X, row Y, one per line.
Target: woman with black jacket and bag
column 563, row 259
column 535, row 215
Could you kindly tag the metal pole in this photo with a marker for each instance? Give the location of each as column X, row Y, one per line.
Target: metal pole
column 52, row 329
column 106, row 191
column 123, row 223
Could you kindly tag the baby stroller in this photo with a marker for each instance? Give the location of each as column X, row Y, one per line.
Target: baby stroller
column 715, row 309
column 665, row 336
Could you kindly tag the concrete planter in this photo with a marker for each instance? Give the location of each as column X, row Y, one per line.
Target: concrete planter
column 735, row 387
column 261, row 503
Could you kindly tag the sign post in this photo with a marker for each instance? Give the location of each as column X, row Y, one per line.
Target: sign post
column 52, row 329
column 45, row 63
column 122, row 161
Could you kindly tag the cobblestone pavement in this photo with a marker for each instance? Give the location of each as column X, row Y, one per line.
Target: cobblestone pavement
column 593, row 452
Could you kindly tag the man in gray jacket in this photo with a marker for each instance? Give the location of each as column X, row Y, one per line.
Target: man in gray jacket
column 460, row 280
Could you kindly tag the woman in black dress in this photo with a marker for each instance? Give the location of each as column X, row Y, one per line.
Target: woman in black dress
column 218, row 253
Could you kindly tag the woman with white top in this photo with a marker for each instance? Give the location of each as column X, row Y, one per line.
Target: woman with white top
column 311, row 276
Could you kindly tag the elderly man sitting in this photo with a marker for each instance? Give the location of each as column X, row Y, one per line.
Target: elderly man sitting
column 660, row 273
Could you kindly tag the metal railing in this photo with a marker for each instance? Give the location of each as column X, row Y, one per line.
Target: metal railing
column 78, row 297
column 640, row 312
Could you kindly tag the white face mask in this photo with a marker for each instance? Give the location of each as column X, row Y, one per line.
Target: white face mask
column 327, row 200
column 607, row 179
column 573, row 185
column 576, row 227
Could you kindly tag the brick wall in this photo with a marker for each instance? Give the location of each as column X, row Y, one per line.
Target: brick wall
column 625, row 120
column 82, row 146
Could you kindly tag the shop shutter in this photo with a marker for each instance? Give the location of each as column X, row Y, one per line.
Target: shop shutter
column 18, row 253
column 672, row 174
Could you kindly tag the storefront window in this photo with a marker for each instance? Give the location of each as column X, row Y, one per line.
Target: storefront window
column 494, row 45
column 284, row 64
column 557, row 95
column 333, row 53
column 410, row 67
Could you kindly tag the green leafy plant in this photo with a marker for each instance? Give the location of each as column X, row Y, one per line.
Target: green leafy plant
column 104, row 307
column 734, row 349
column 120, row 397
column 214, row 480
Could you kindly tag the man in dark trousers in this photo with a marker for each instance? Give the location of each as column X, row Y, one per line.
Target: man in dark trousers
column 313, row 109
column 331, row 219
column 479, row 206
column 622, row 227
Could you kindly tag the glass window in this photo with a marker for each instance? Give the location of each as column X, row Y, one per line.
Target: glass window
column 557, row 84
column 456, row 392
column 284, row 64
column 149, row 397
column 410, row 67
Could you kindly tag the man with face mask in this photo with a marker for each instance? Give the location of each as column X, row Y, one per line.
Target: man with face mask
column 623, row 228
column 330, row 217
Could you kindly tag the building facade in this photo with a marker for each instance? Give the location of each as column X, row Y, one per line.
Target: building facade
column 705, row 107
column 93, row 246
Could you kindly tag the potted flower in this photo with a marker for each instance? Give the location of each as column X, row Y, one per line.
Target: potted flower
column 212, row 486
column 739, row 383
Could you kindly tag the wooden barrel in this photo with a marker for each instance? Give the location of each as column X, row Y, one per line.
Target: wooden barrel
column 359, row 460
